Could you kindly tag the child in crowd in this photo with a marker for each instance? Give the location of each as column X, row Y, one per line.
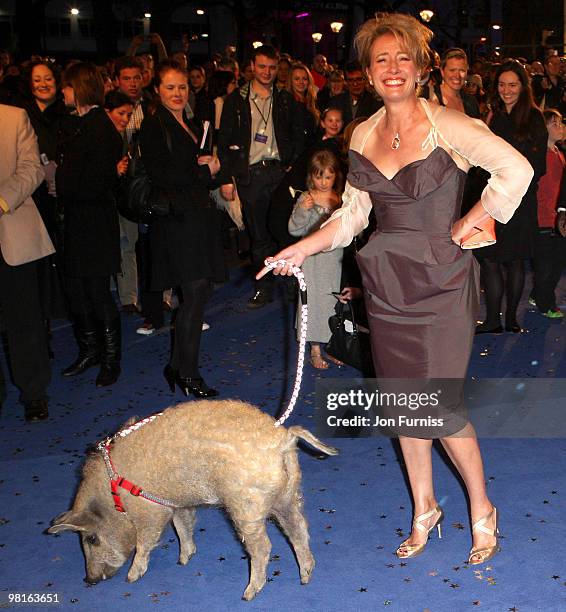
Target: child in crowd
column 550, row 246
column 322, row 271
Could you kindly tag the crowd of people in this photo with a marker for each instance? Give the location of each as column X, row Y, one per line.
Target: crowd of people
column 447, row 164
column 277, row 159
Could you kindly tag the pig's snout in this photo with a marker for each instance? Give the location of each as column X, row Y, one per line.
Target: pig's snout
column 107, row 572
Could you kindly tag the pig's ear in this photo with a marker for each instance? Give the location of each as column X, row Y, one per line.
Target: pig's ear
column 72, row 521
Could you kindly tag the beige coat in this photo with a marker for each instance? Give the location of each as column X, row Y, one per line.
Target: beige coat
column 23, row 237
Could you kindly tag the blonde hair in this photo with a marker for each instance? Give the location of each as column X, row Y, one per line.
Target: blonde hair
column 412, row 34
column 310, row 94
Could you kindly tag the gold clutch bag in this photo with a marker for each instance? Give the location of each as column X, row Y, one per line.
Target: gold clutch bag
column 482, row 235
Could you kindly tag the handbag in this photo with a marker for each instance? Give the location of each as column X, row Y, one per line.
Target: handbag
column 138, row 200
column 350, row 342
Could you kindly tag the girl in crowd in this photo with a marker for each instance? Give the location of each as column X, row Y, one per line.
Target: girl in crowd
column 408, row 163
column 323, row 270
column 517, row 120
column 86, row 180
column 185, row 245
column 331, row 125
column 301, row 85
column 550, row 246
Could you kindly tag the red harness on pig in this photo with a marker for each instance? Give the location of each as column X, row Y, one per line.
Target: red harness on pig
column 117, row 481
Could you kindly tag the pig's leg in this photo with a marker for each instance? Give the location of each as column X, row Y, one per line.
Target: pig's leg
column 184, row 522
column 148, row 536
column 288, row 510
column 258, row 546
column 290, row 517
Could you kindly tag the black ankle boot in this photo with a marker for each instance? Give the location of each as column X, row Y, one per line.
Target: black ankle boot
column 87, row 339
column 111, row 353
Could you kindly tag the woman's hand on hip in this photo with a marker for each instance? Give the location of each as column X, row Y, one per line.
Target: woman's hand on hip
column 460, row 230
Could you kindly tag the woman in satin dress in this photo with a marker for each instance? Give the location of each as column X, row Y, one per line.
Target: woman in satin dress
column 408, row 162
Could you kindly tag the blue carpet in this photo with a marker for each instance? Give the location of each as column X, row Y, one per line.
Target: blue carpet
column 357, row 504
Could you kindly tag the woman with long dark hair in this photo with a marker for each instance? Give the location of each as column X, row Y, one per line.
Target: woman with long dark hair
column 47, row 113
column 518, row 121
column 86, row 180
column 186, row 250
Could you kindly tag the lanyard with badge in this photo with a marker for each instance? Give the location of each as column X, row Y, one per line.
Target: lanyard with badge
column 261, row 136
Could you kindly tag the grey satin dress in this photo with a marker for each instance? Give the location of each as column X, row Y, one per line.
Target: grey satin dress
column 421, row 289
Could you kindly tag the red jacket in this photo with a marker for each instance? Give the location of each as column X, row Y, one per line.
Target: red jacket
column 549, row 187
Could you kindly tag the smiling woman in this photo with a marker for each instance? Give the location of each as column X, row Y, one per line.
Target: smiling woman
column 408, row 163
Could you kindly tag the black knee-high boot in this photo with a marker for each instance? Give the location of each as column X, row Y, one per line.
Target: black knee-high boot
column 111, row 353
column 87, row 339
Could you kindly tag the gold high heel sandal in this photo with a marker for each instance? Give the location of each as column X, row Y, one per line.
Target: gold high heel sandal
column 487, row 553
column 405, row 550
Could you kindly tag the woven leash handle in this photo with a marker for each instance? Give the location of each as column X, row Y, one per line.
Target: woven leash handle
column 299, row 275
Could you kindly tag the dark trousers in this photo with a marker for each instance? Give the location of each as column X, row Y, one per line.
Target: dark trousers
column 188, row 327
column 549, row 261
column 90, row 297
column 25, row 330
column 151, row 301
column 256, row 200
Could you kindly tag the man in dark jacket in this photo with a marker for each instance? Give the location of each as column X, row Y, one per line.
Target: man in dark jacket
column 357, row 101
column 260, row 136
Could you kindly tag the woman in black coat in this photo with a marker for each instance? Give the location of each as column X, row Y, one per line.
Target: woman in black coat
column 86, row 179
column 186, row 249
column 47, row 112
column 518, row 121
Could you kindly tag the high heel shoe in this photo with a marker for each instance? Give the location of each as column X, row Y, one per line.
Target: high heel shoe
column 488, row 552
column 196, row 386
column 406, row 550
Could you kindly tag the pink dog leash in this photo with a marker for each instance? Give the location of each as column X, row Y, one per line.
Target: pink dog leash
column 299, row 275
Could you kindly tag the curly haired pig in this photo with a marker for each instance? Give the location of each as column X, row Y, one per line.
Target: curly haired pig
column 225, row 453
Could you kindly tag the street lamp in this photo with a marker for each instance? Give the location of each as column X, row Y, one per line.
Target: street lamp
column 426, row 15
column 200, row 12
column 147, row 15
column 496, row 26
column 256, row 44
column 317, row 37
column 336, row 26
column 74, row 11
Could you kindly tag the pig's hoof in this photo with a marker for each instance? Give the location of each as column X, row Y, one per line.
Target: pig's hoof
column 135, row 574
column 184, row 558
column 306, row 573
column 251, row 592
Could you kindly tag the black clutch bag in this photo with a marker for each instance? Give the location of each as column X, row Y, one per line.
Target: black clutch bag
column 349, row 342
